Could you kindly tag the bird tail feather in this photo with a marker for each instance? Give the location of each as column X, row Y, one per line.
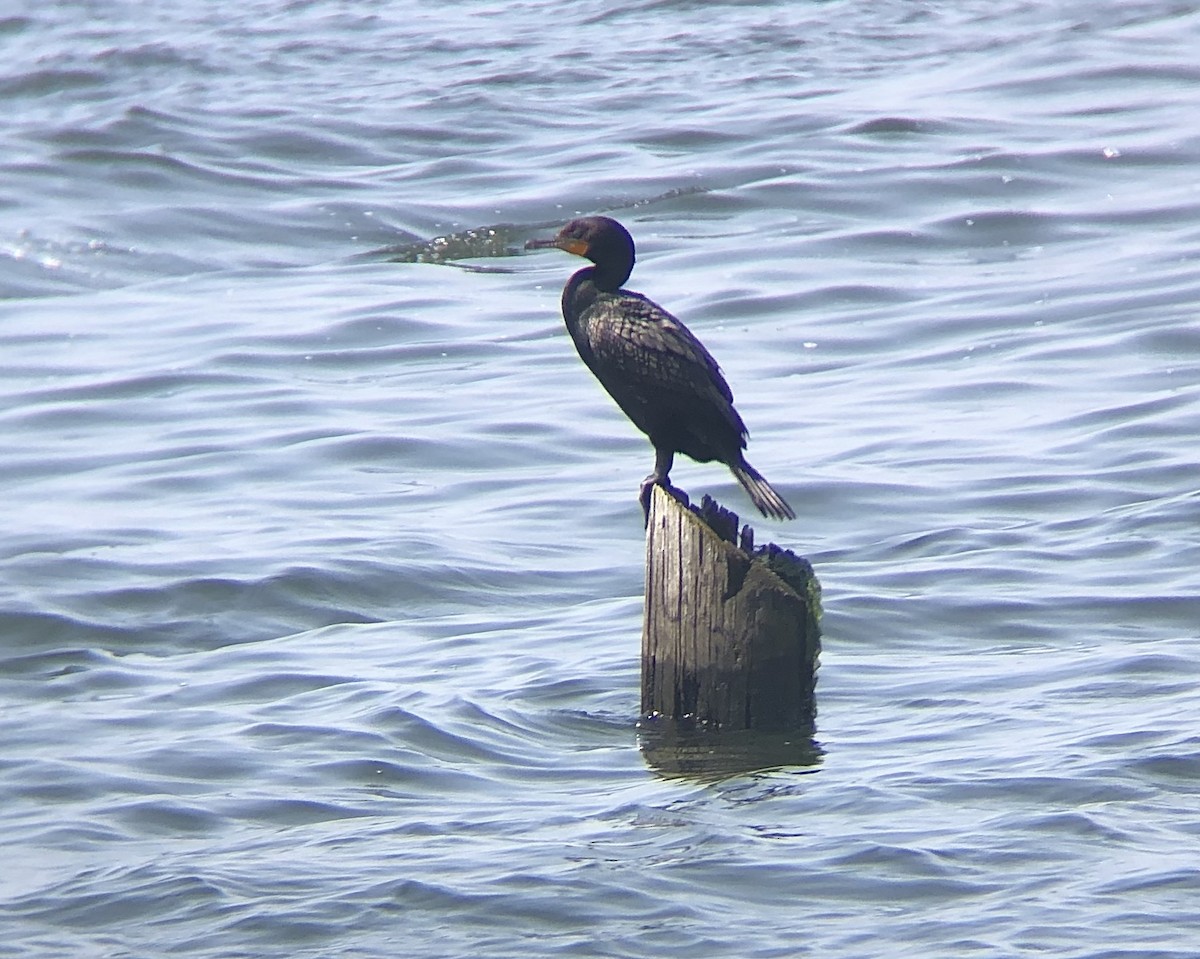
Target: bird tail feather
column 768, row 501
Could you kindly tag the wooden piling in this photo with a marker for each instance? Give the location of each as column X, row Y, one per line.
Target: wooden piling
column 730, row 636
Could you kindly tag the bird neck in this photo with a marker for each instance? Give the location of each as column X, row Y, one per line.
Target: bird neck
column 610, row 275
column 580, row 292
column 596, row 279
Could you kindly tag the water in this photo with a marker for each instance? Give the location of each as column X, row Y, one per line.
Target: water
column 321, row 555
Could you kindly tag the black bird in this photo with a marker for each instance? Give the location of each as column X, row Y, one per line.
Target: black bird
column 657, row 371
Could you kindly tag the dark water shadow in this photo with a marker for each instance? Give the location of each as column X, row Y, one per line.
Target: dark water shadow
column 481, row 242
column 490, row 241
column 680, row 750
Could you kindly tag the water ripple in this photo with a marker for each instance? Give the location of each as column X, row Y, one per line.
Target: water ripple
column 322, row 573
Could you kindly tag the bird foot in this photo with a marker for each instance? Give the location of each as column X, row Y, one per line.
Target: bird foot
column 647, row 490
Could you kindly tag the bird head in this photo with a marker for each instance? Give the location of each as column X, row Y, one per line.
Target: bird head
column 600, row 239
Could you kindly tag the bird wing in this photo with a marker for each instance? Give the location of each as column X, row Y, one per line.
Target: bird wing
column 645, row 355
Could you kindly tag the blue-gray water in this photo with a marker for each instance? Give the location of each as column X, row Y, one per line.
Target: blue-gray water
column 321, row 573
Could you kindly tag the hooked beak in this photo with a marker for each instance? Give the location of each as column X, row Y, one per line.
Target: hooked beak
column 571, row 245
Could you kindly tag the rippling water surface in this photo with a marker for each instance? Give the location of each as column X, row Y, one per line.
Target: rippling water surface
column 322, row 562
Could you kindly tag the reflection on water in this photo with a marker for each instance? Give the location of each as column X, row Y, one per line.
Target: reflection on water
column 682, row 750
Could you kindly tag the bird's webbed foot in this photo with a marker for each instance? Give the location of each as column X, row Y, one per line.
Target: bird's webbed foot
column 647, row 490
column 663, row 460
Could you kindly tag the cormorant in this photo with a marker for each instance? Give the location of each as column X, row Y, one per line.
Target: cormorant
column 661, row 376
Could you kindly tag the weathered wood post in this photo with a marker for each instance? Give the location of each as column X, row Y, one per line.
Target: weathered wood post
column 731, row 637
